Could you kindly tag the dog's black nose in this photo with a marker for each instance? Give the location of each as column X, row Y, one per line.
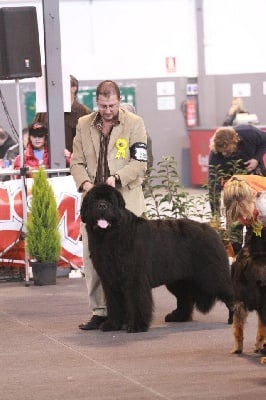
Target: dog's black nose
column 102, row 205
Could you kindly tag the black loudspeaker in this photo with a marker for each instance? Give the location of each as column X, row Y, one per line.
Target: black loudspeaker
column 19, row 43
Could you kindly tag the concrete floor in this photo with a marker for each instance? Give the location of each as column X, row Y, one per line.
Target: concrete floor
column 43, row 354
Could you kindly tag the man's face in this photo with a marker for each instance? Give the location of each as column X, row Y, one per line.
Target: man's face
column 228, row 150
column 108, row 106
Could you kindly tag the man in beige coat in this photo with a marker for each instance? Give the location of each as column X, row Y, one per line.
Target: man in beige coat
column 110, row 146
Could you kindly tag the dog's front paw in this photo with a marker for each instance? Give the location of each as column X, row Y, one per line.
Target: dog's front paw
column 131, row 328
column 110, row 325
column 177, row 316
column 263, row 349
column 260, row 347
column 260, row 350
column 236, row 351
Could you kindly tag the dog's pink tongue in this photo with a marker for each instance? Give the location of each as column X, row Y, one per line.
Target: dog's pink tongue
column 102, row 223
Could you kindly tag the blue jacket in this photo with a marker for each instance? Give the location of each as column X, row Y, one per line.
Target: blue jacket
column 252, row 144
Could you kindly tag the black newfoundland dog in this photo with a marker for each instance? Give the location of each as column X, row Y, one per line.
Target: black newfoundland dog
column 249, row 282
column 133, row 255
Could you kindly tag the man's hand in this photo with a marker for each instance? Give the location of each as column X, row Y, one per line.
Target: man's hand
column 87, row 186
column 111, row 180
column 67, row 153
column 251, row 164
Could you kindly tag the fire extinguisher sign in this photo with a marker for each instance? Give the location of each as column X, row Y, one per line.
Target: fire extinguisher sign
column 170, row 63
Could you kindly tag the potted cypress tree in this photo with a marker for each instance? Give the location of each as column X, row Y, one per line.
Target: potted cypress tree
column 43, row 239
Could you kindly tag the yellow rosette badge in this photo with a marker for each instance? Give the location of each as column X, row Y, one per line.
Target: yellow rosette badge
column 121, row 145
column 257, row 228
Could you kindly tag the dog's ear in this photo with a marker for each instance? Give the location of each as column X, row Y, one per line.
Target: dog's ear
column 84, row 208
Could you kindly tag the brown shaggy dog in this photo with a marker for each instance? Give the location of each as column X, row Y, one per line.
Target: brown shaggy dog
column 133, row 255
column 249, row 282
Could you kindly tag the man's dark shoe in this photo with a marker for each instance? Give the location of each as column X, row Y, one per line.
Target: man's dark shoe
column 95, row 323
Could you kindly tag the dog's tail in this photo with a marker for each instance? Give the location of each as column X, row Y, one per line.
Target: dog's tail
column 203, row 301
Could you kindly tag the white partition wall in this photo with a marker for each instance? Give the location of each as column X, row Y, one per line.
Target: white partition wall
column 234, row 39
column 128, row 39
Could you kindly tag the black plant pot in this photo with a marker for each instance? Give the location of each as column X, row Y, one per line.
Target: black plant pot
column 44, row 273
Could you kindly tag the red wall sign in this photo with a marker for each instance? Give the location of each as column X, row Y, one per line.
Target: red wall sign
column 11, row 221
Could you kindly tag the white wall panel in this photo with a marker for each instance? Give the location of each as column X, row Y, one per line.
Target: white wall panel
column 132, row 38
column 129, row 38
column 234, row 33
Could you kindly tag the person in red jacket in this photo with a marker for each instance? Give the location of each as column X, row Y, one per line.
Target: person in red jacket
column 36, row 152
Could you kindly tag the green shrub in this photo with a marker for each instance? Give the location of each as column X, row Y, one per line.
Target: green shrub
column 166, row 197
column 43, row 239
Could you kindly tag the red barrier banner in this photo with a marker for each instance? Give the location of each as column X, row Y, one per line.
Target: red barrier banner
column 12, row 228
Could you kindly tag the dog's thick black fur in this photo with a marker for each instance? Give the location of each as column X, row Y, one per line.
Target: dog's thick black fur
column 249, row 282
column 133, row 255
